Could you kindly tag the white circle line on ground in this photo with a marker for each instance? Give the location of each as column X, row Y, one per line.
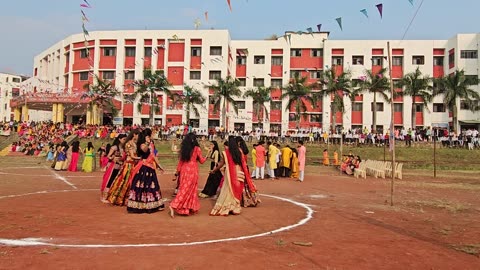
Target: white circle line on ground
column 43, row 242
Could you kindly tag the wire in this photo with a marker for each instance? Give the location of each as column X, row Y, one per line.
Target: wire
column 411, row 22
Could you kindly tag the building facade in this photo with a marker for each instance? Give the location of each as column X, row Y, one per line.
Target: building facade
column 197, row 57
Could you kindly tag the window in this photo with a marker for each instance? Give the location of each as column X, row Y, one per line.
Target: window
column 241, row 60
column 418, row 107
column 276, row 83
column 130, row 51
column 195, row 75
column 377, row 61
column 215, row 74
column 277, row 60
column 211, row 100
column 148, row 52
column 292, row 117
column 397, row 61
column 295, row 73
column 243, row 81
column 451, row 59
column 337, row 60
column 16, row 80
column 259, row 59
column 196, row 51
column 438, row 61
column 84, row 76
column 439, row 107
column 464, row 54
column 315, row 74
column 357, row 107
column 108, row 75
column 258, row 82
column 471, row 78
column 84, row 53
column 357, row 60
column 276, row 105
column 398, row 107
column 296, row 53
column 109, row 51
column 316, row 52
column 469, row 105
column 379, row 106
column 315, row 118
column 240, row 105
column 418, row 60
column 130, row 75
column 215, row 50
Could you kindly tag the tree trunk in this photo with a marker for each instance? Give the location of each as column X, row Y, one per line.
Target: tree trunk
column 224, row 114
column 334, row 119
column 151, row 111
column 188, row 113
column 374, row 118
column 414, row 114
column 454, row 117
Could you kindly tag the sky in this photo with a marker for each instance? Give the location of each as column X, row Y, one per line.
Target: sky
column 28, row 27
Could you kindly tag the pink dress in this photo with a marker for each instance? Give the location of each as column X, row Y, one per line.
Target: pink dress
column 74, row 162
column 301, row 157
column 186, row 201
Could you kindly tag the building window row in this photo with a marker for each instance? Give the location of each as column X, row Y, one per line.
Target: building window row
column 469, row 54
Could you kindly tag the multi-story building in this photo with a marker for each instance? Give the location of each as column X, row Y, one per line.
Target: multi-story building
column 198, row 57
column 10, row 85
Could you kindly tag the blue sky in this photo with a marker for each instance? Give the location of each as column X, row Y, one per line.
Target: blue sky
column 28, row 27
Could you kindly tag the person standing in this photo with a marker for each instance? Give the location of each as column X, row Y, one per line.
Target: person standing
column 213, row 180
column 186, row 201
column 326, row 158
column 76, row 150
column 116, row 157
column 272, row 159
column 254, row 160
column 301, row 160
column 88, row 161
column 260, row 164
column 285, row 161
column 144, row 195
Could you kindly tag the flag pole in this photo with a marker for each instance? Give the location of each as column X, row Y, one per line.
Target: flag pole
column 392, row 126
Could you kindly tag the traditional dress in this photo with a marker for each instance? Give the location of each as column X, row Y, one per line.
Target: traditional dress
column 144, row 195
column 111, row 172
column 61, row 159
column 272, row 159
column 117, row 194
column 285, row 161
column 74, row 162
column 326, row 158
column 186, row 201
column 87, row 165
column 232, row 194
column 301, row 161
column 213, row 180
column 294, row 166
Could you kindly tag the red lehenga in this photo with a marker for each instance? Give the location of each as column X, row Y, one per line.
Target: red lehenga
column 186, row 202
column 237, row 190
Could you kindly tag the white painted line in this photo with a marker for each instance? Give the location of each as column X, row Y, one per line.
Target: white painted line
column 44, row 192
column 59, row 177
column 36, row 167
column 43, row 242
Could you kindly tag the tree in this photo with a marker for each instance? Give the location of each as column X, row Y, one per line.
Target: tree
column 335, row 86
column 223, row 93
column 190, row 98
column 416, row 85
column 457, row 86
column 260, row 96
column 299, row 95
column 101, row 95
column 147, row 89
column 375, row 83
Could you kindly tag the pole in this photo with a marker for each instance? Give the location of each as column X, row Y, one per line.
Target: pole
column 392, row 131
column 435, row 154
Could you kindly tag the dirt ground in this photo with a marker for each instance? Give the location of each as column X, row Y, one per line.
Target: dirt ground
column 432, row 225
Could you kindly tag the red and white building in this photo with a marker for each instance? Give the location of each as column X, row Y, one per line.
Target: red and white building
column 197, row 57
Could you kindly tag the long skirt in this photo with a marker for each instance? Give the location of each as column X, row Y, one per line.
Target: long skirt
column 73, row 164
column 144, row 195
column 88, row 163
column 213, row 182
column 108, row 178
column 120, row 186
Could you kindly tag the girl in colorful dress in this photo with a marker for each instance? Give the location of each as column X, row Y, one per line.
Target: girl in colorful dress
column 294, row 166
column 116, row 156
column 51, row 153
column 61, row 156
column 120, row 186
column 213, row 180
column 88, row 161
column 186, row 202
column 103, row 154
column 249, row 197
column 326, row 158
column 144, row 195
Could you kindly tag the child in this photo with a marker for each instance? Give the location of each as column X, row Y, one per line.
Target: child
column 335, row 158
column 326, row 158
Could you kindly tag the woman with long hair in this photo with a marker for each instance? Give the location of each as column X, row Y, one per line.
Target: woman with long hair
column 76, row 150
column 186, row 202
column 249, row 196
column 121, row 185
column 236, row 174
column 88, row 161
column 61, row 156
column 144, row 195
column 213, row 180
column 116, row 157
column 102, row 153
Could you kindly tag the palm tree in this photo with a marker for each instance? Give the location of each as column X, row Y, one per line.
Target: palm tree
column 260, row 95
column 336, row 86
column 190, row 98
column 147, row 89
column 457, row 86
column 299, row 95
column 101, row 95
column 375, row 83
column 416, row 85
column 223, row 93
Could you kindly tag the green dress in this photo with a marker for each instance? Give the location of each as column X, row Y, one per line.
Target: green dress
column 87, row 165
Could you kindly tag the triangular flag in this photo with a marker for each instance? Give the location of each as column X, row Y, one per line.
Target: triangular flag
column 197, row 23
column 339, row 21
column 84, row 17
column 411, row 2
column 87, row 3
column 206, row 16
column 85, row 32
column 285, row 37
column 310, row 31
column 85, row 6
column 380, row 10
column 299, row 32
column 229, row 5
column 319, row 27
column 289, row 39
column 364, row 11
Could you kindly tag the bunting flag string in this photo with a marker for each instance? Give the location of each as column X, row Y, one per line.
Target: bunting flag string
column 380, row 9
column 364, row 11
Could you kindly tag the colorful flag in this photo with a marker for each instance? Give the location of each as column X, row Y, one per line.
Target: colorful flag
column 411, row 2
column 229, row 5
column 84, row 6
column 206, row 16
column 339, row 21
column 319, row 27
column 310, row 31
column 84, row 17
column 85, row 32
column 380, row 10
column 364, row 11
column 87, row 3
